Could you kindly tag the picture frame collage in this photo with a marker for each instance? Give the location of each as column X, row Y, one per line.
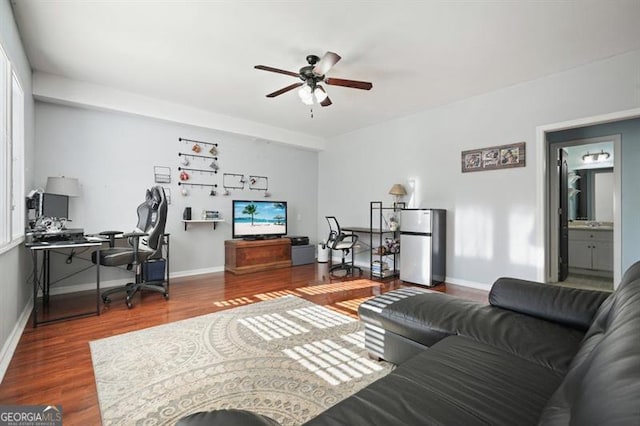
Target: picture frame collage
column 494, row 157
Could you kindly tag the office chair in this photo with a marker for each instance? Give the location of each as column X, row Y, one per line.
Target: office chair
column 338, row 240
column 145, row 247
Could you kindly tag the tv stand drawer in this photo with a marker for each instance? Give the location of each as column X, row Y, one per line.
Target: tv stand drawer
column 243, row 257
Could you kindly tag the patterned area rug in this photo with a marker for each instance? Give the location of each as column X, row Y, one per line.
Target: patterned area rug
column 286, row 358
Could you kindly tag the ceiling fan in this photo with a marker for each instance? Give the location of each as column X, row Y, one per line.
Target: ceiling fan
column 312, row 75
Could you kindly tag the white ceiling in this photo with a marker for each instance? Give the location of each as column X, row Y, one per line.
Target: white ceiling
column 417, row 54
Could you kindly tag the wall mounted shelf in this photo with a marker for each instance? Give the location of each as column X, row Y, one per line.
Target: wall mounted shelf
column 184, row 154
column 214, row 221
column 197, row 170
column 211, row 185
column 195, row 141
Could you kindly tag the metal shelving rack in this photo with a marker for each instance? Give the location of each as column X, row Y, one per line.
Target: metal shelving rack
column 379, row 230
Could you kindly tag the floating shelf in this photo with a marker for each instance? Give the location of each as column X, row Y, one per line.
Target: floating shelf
column 214, row 221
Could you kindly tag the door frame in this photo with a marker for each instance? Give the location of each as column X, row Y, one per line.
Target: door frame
column 542, row 183
column 554, row 203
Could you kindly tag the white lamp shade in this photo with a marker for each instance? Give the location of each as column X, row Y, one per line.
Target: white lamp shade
column 63, row 186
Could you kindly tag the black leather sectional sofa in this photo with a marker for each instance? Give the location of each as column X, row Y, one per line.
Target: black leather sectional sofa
column 537, row 354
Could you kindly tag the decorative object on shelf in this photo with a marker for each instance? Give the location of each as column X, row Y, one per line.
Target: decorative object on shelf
column 184, row 191
column 398, row 191
column 183, row 175
column 267, row 194
column 213, row 193
column 184, row 160
column 62, row 185
column 233, row 181
column 214, row 150
column 394, row 222
column 495, row 157
column 162, row 174
column 212, row 214
column 186, row 214
column 259, row 183
column 196, row 148
column 596, row 157
column 214, row 165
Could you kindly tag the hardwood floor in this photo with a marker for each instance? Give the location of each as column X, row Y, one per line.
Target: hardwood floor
column 52, row 363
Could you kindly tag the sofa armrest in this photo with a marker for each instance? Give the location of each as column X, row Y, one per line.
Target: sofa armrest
column 568, row 306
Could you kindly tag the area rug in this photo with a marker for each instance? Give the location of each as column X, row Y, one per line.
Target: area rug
column 286, row 358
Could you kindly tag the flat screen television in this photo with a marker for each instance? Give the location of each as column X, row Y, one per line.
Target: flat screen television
column 259, row 219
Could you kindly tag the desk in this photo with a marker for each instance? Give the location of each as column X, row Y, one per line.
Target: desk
column 45, row 248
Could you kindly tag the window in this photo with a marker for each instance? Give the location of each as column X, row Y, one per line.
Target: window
column 12, row 201
column 17, row 160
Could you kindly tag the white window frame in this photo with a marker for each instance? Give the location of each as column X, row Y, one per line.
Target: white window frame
column 17, row 159
column 12, row 147
column 5, row 165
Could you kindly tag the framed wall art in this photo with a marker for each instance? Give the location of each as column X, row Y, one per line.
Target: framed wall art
column 494, row 157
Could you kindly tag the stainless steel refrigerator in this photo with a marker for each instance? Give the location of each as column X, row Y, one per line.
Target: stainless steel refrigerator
column 423, row 246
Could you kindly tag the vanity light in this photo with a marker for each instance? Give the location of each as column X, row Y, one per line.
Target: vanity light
column 596, row 157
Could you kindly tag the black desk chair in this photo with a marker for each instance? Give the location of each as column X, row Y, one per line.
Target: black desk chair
column 145, row 247
column 338, row 240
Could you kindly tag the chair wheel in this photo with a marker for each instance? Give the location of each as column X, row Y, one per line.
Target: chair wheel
column 166, row 296
column 106, row 300
column 129, row 304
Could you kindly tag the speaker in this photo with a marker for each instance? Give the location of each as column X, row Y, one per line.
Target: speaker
column 186, row 215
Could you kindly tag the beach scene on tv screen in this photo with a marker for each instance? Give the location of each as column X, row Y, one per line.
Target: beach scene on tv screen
column 251, row 218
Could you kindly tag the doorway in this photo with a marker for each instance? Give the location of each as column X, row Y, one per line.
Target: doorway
column 583, row 188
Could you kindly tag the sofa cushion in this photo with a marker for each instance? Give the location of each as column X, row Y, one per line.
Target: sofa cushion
column 568, row 306
column 457, row 381
column 602, row 385
column 426, row 317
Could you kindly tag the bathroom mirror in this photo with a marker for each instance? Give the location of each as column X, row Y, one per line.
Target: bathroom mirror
column 594, row 201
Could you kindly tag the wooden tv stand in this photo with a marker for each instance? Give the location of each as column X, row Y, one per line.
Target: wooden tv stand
column 243, row 257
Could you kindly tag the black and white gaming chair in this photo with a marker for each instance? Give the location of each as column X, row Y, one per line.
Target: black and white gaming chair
column 338, row 240
column 145, row 245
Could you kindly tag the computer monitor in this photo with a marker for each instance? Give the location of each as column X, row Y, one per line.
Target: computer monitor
column 54, row 205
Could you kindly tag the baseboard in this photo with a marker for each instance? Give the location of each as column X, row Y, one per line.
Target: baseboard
column 201, row 271
column 122, row 281
column 467, row 283
column 9, row 347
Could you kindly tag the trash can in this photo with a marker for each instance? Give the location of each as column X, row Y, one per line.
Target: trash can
column 323, row 252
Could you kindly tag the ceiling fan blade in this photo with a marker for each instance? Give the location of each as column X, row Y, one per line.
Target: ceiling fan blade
column 326, row 101
column 326, row 63
column 364, row 85
column 284, row 90
column 278, row 70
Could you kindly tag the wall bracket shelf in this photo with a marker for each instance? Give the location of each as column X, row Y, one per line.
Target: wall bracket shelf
column 214, row 221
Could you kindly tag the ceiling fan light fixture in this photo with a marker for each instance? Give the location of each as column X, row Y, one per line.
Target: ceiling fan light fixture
column 319, row 94
column 305, row 93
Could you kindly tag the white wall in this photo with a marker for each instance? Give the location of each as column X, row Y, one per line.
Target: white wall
column 113, row 154
column 14, row 264
column 491, row 229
